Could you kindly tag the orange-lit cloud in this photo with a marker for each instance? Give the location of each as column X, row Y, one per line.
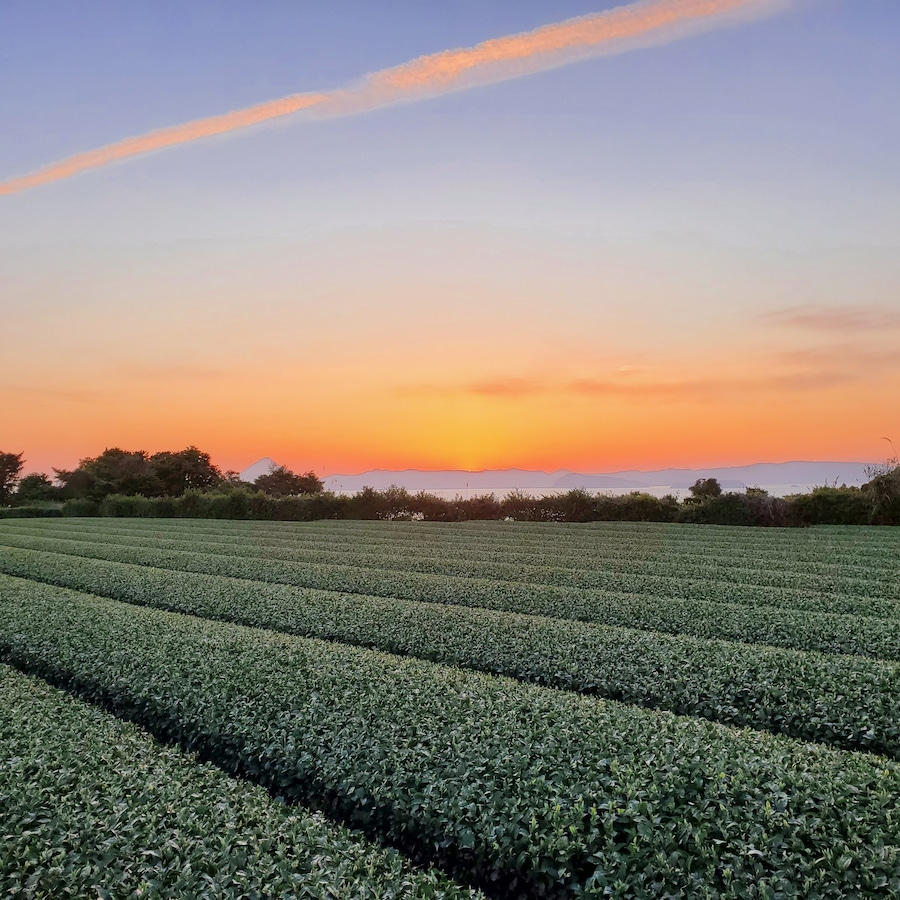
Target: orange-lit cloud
column 840, row 319
column 617, row 30
column 857, row 359
column 804, row 370
column 160, row 139
column 48, row 394
column 179, row 372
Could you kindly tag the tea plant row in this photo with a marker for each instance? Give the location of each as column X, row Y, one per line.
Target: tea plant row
column 795, row 629
column 523, row 789
column 874, row 595
column 849, row 702
column 653, row 553
column 92, row 806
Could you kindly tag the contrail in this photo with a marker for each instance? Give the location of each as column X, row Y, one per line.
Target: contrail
column 641, row 24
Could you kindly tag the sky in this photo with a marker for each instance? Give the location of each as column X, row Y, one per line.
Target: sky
column 680, row 253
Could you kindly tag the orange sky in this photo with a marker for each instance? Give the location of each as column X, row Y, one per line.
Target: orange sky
column 575, row 410
column 681, row 255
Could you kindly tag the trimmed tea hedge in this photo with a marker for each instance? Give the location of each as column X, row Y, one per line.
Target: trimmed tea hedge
column 712, row 581
column 527, row 790
column 638, row 566
column 92, row 806
column 850, row 702
column 790, row 628
column 838, row 545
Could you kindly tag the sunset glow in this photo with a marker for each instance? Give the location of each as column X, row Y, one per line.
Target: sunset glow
column 680, row 255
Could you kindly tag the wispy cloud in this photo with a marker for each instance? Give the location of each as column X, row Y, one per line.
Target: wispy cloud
column 801, row 371
column 859, row 359
column 518, row 388
column 641, row 24
column 506, row 387
column 836, row 319
column 42, row 393
column 178, row 372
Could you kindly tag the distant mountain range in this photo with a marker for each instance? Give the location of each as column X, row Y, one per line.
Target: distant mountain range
column 260, row 467
column 800, row 476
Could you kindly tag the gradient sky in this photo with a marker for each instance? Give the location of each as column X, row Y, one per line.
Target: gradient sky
column 681, row 255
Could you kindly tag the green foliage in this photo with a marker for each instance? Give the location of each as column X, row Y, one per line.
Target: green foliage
column 576, row 505
column 636, row 507
column 81, row 506
column 833, row 506
column 190, row 477
column 705, row 489
column 778, row 613
column 229, row 502
column 11, row 465
column 114, row 471
column 521, row 506
column 531, row 791
column 91, row 806
column 35, row 511
column 883, row 492
column 35, row 488
column 479, row 506
column 841, row 700
column 717, row 509
column 124, row 505
column 135, row 473
column 187, row 470
column 282, row 482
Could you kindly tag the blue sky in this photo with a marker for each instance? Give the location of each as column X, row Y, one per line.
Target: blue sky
column 591, row 218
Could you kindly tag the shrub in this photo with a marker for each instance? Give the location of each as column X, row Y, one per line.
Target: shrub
column 883, row 492
column 36, row 511
column 636, row 507
column 832, row 506
column 126, row 506
column 81, row 506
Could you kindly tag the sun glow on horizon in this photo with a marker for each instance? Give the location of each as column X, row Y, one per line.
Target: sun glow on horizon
column 682, row 256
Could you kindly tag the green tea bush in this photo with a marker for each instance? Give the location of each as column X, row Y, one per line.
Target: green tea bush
column 865, row 582
column 846, row 701
column 794, row 628
column 528, row 791
column 826, row 558
column 92, row 806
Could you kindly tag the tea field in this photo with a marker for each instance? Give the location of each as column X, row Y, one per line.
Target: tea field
column 411, row 709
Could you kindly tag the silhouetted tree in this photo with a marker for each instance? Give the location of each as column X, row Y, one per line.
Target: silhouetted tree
column 10, row 468
column 706, row 489
column 366, row 504
column 117, row 471
column 114, row 471
column 520, row 505
column 35, row 488
column 577, row 505
column 282, row 482
column 184, row 470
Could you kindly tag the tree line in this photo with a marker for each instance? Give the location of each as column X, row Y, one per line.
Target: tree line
column 137, row 473
column 187, row 484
